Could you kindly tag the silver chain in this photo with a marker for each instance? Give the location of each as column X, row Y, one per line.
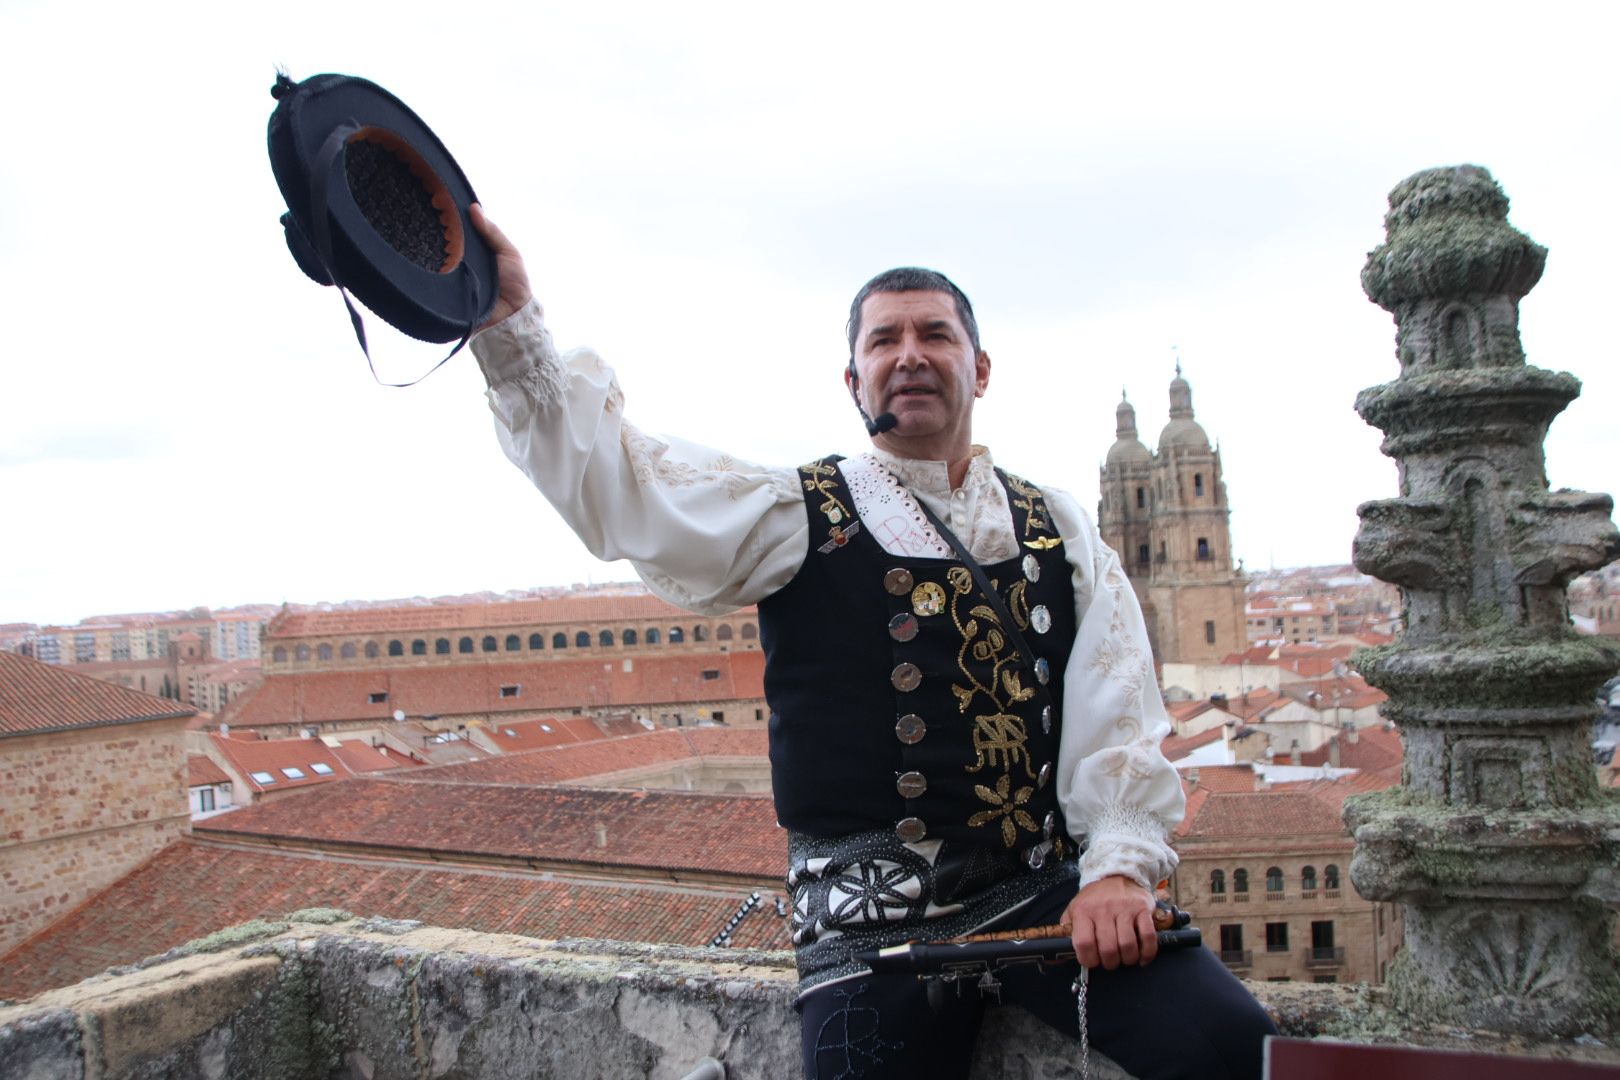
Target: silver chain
column 1079, row 989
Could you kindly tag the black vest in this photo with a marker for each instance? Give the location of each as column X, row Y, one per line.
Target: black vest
column 896, row 699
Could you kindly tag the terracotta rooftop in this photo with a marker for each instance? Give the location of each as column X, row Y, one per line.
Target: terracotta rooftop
column 1348, row 693
column 460, row 689
column 310, row 760
column 201, row 771
column 509, row 613
column 1182, row 711
column 519, row 735
column 193, row 888
column 562, row 764
column 36, row 697
column 1222, row 778
column 646, row 830
column 360, row 757
column 1254, row 704
column 1178, row 746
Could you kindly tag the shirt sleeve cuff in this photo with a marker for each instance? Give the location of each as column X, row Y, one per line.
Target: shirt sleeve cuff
column 515, row 346
column 1128, row 842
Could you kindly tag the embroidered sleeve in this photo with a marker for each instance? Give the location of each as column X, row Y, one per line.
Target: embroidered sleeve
column 705, row 530
column 1120, row 796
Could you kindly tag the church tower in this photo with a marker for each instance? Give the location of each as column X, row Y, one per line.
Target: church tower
column 1166, row 515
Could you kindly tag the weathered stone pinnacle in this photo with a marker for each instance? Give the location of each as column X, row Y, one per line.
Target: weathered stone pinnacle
column 1500, row 844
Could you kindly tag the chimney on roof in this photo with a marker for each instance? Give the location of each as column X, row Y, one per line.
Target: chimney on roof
column 601, row 835
column 224, row 731
column 1192, row 776
column 1351, row 734
column 1293, row 753
column 1333, row 751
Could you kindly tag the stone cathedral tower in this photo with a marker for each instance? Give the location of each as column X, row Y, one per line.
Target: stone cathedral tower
column 1166, row 515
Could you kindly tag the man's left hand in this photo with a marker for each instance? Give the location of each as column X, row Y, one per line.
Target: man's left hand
column 1111, row 923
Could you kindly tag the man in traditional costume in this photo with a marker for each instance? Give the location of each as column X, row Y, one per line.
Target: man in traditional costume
column 945, row 760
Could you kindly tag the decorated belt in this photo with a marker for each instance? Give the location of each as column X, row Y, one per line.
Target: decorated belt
column 870, row 890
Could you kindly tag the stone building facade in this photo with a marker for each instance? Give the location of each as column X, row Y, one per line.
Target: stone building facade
column 1166, row 515
column 92, row 783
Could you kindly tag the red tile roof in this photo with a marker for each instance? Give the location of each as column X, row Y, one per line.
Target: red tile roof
column 510, row 613
column 273, row 755
column 1222, row 778
column 1349, row 693
column 562, row 764
column 461, row 689
column 520, row 735
column 193, row 888
column 201, row 771
column 359, row 757
column 36, row 697
column 1178, row 746
column 1182, row 711
column 648, row 830
column 1253, row 704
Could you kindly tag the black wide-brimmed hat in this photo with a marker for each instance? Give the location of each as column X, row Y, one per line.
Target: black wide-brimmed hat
column 377, row 206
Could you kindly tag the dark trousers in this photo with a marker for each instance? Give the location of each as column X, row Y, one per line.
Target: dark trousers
column 1184, row 1015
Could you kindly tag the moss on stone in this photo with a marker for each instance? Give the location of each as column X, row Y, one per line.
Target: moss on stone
column 321, row 916
column 230, row 937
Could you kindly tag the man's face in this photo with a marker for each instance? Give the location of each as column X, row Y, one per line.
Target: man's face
column 916, row 360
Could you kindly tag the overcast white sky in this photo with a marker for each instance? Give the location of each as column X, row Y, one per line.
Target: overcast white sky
column 698, row 189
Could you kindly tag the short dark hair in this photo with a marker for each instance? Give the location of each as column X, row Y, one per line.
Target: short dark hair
column 912, row 279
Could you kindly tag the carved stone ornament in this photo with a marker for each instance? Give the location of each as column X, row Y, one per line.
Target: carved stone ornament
column 1499, row 843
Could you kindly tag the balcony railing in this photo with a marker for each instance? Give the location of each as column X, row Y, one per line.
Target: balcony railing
column 1240, row 898
column 1237, row 958
column 1324, row 956
column 1216, row 898
column 1330, row 894
column 1276, row 895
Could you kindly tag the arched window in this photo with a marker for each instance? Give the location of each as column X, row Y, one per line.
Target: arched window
column 559, row 641
column 323, row 652
column 279, row 654
column 723, row 632
column 1307, row 879
column 750, row 631
column 488, row 644
column 371, row 650
column 396, row 648
column 301, row 652
column 1141, row 497
column 1330, row 876
column 514, row 643
column 419, row 647
column 700, row 633
column 1203, row 547
column 629, row 636
column 1274, row 879
column 652, row 635
column 605, row 638
column 1198, row 483
column 464, row 645
column 536, row 642
column 1217, row 882
column 676, row 635
column 441, row 646
column 582, row 639
column 1240, row 881
column 348, row 651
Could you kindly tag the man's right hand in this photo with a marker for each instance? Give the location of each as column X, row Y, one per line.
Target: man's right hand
column 509, row 267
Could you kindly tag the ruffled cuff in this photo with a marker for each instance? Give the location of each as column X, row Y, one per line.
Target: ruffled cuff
column 1130, row 842
column 518, row 350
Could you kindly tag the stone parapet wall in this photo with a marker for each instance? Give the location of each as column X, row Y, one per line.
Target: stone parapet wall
column 320, row 997
column 80, row 809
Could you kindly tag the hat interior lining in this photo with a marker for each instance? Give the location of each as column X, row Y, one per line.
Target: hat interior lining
column 386, row 219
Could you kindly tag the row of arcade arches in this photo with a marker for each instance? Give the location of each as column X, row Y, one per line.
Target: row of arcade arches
column 472, row 644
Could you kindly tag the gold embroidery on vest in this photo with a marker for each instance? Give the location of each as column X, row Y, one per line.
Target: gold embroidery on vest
column 1000, row 737
column 819, row 478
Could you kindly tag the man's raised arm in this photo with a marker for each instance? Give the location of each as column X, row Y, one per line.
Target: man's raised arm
column 704, row 530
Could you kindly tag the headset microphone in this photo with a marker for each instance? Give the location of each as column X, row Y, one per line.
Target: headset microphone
column 885, row 422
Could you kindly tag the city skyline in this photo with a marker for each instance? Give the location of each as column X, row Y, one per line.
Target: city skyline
column 698, row 194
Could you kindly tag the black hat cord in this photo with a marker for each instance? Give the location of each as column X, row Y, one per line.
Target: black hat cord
column 320, row 170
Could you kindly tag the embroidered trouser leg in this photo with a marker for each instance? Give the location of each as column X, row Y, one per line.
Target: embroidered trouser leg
column 1184, row 1015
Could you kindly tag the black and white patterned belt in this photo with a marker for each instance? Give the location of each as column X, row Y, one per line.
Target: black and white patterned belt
column 869, row 889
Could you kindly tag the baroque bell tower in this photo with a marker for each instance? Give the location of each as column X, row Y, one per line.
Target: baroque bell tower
column 1166, row 515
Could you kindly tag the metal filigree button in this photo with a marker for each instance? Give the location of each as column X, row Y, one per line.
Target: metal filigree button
column 928, row 599
column 1046, row 719
column 910, row 729
column 903, row 627
column 1032, row 568
column 1043, row 671
column 905, row 677
column 898, row 581
column 1045, row 775
column 1040, row 619
column 911, row 785
column 910, row 830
